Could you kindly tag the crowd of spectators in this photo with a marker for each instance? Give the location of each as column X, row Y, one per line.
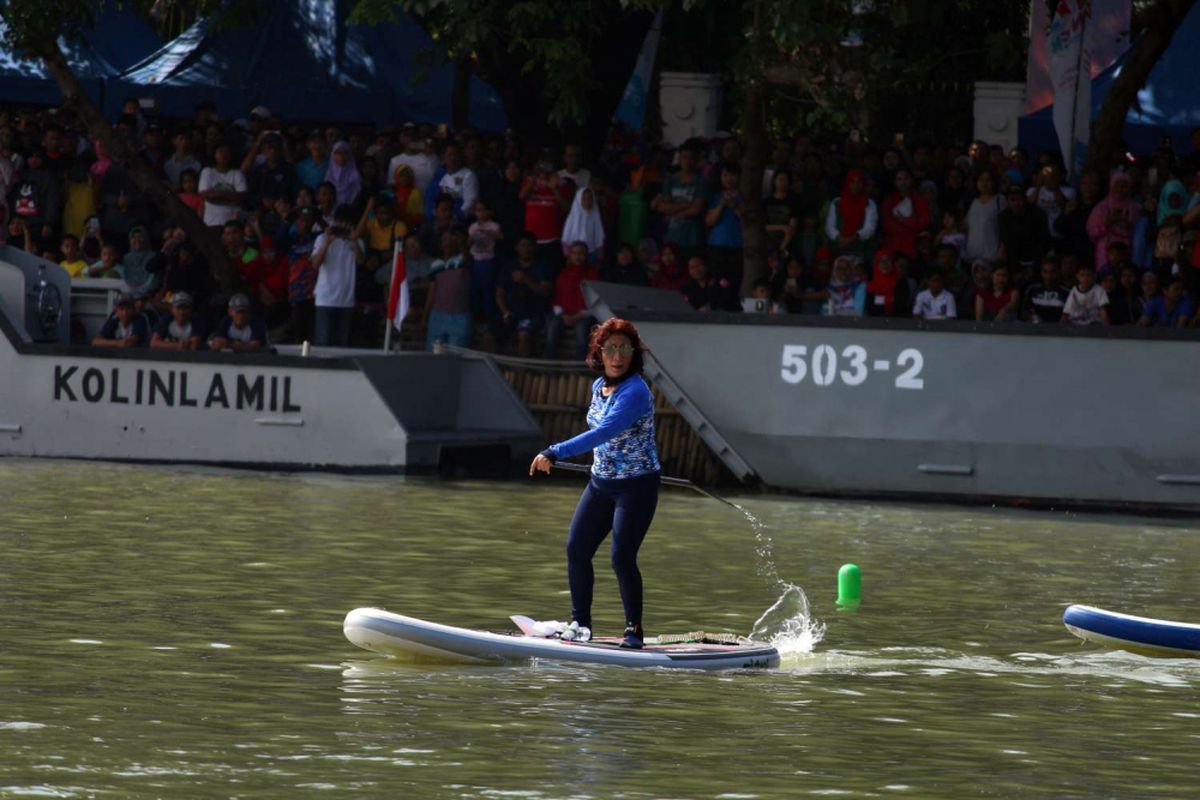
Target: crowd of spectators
column 498, row 236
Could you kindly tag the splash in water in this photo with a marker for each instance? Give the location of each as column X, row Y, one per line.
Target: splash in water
column 788, row 623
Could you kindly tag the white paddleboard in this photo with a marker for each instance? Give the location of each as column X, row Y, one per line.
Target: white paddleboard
column 397, row 635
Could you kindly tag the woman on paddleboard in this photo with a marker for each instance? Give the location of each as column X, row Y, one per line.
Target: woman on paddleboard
column 622, row 493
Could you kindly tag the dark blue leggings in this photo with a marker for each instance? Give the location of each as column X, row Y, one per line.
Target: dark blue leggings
column 626, row 507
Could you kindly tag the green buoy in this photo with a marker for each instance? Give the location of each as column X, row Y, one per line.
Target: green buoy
column 849, row 586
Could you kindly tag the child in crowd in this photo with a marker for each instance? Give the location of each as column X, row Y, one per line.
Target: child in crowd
column 1088, row 303
column 189, row 191
column 951, row 233
column 181, row 330
column 1118, row 257
column 484, row 234
column 934, row 302
column 760, row 301
column 72, row 257
column 788, row 286
column 108, row 266
column 1173, row 309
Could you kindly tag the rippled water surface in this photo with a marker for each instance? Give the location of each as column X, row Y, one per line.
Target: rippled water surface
column 172, row 632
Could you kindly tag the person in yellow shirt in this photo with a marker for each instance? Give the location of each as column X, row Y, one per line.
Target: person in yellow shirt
column 72, row 254
column 410, row 203
column 381, row 229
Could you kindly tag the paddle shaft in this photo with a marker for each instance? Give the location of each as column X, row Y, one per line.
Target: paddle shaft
column 683, row 482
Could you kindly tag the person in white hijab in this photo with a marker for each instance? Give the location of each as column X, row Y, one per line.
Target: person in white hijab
column 343, row 174
column 584, row 224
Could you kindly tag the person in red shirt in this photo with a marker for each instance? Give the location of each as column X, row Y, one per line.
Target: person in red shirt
column 570, row 309
column 546, row 204
column 998, row 302
column 267, row 276
column 905, row 215
column 189, row 180
column 672, row 272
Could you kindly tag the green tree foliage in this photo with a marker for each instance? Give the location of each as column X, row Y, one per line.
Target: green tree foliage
column 557, row 64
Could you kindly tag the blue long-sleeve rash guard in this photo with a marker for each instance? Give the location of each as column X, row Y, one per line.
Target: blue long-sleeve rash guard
column 621, row 432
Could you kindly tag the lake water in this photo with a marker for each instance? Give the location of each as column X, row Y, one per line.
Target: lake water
column 171, row 632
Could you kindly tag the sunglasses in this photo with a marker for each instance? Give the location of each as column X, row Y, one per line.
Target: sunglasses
column 611, row 350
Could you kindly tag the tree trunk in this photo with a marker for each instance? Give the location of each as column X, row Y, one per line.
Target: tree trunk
column 160, row 194
column 754, row 162
column 460, row 97
column 1162, row 20
column 612, row 57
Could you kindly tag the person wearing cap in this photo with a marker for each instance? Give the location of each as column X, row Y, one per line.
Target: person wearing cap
column 238, row 330
column 257, row 121
column 180, row 331
column 125, row 328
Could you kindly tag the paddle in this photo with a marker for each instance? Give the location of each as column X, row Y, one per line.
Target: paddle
column 685, row 483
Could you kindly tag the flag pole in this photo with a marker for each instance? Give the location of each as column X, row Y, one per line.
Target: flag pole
column 1084, row 5
column 388, row 309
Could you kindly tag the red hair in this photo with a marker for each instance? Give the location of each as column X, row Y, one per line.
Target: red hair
column 607, row 329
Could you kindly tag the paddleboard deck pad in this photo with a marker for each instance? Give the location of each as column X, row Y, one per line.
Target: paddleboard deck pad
column 1144, row 635
column 397, row 635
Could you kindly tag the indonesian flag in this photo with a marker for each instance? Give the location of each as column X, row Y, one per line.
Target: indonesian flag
column 397, row 307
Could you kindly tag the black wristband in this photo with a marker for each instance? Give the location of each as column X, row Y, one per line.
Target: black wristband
column 548, row 454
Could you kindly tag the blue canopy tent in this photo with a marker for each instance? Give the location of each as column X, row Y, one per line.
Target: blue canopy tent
column 119, row 37
column 1167, row 106
column 402, row 56
column 303, row 62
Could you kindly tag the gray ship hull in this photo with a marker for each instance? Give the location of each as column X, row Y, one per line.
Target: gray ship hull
column 358, row 412
column 944, row 410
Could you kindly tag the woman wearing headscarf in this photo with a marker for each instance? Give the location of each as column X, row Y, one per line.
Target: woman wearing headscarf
column 343, row 174
column 1161, row 241
column 1113, row 218
column 584, row 224
column 887, row 291
column 410, row 204
column 852, row 218
column 847, row 294
column 905, row 214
